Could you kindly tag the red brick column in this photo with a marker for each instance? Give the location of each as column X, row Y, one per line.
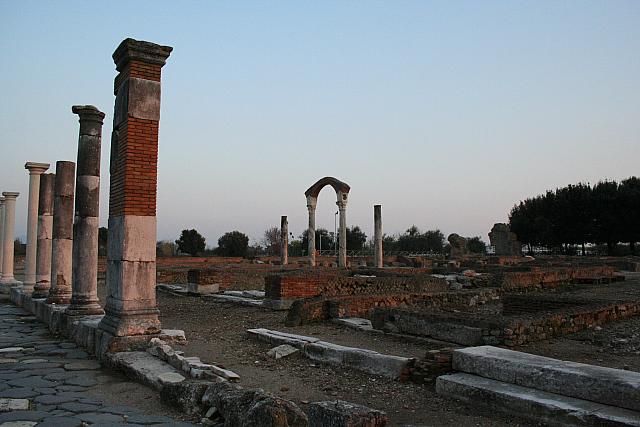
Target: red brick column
column 131, row 255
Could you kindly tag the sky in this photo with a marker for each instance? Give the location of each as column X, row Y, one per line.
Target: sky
column 446, row 113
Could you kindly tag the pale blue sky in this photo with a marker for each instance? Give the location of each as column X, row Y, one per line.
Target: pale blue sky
column 446, row 113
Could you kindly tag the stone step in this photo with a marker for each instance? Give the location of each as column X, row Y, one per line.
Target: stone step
column 540, row 406
column 608, row 386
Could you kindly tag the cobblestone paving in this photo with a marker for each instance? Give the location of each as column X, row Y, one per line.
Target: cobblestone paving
column 48, row 382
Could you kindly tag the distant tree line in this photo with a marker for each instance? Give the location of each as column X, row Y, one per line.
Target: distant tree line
column 576, row 215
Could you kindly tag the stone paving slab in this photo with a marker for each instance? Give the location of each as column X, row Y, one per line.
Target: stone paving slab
column 45, row 382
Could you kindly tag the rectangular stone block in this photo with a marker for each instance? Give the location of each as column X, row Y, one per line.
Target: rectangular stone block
column 139, row 277
column 131, row 238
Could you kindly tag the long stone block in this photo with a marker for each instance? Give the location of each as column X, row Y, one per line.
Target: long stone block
column 608, row 386
column 540, row 406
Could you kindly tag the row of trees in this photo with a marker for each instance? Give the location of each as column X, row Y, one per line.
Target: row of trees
column 606, row 213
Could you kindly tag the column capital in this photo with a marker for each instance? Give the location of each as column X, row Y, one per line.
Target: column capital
column 142, row 51
column 88, row 112
column 312, row 202
column 1, row 201
column 9, row 195
column 342, row 205
column 36, row 168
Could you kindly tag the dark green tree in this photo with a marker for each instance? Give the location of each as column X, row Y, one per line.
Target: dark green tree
column 103, row 235
column 233, row 243
column 355, row 238
column 191, row 242
column 476, row 245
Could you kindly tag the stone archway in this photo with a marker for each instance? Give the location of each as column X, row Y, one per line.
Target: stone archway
column 342, row 193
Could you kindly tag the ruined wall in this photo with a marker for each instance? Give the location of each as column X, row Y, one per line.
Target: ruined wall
column 323, row 308
column 542, row 278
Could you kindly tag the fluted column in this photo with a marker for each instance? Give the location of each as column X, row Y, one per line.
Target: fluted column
column 84, row 298
column 284, row 240
column 35, row 170
column 311, row 231
column 45, row 236
column 62, row 245
column 342, row 231
column 1, row 233
column 377, row 236
column 7, row 281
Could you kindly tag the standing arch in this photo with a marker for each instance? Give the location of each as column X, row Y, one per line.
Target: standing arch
column 342, row 194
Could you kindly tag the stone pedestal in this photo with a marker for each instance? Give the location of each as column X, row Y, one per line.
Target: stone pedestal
column 45, row 236
column 84, row 298
column 131, row 255
column 377, row 236
column 62, row 244
column 284, row 240
column 311, row 231
column 35, row 170
column 1, row 233
column 7, row 281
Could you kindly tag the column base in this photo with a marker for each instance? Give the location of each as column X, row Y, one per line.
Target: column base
column 131, row 322
column 40, row 292
column 77, row 309
column 7, row 284
column 59, row 297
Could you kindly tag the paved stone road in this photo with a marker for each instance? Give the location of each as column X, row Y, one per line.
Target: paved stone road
column 48, row 382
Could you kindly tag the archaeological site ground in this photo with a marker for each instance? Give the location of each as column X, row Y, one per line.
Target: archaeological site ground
column 347, row 339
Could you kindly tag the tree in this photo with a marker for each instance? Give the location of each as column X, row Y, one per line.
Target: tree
column 476, row 245
column 190, row 242
column 323, row 237
column 164, row 248
column 272, row 240
column 233, row 243
column 355, row 238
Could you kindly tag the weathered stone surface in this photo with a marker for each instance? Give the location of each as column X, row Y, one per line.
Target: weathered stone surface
column 538, row 406
column 281, row 351
column 240, row 407
column 504, row 241
column 185, row 395
column 344, row 414
column 615, row 387
column 141, row 366
column 8, row 405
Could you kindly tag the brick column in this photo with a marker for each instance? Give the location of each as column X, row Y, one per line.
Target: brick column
column 84, row 298
column 1, row 232
column 377, row 236
column 7, row 280
column 284, row 240
column 131, row 255
column 45, row 236
column 62, row 244
column 35, row 170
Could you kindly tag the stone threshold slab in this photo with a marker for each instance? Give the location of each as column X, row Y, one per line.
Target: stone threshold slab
column 615, row 387
column 372, row 362
column 539, row 406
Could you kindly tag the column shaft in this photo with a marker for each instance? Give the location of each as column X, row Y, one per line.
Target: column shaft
column 284, row 240
column 45, row 236
column 84, row 298
column 1, row 233
column 7, row 280
column 131, row 307
column 311, row 233
column 62, row 245
column 377, row 236
column 35, row 170
column 342, row 243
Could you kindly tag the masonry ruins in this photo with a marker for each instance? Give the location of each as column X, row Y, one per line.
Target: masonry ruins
column 368, row 339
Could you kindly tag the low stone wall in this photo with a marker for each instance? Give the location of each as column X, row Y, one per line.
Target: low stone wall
column 336, row 283
column 316, row 309
column 229, row 277
column 524, row 331
column 543, row 278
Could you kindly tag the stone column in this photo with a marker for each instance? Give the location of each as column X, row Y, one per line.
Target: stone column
column 311, row 231
column 284, row 240
column 35, row 170
column 342, row 231
column 45, row 236
column 377, row 236
column 131, row 307
column 62, row 244
column 84, row 298
column 7, row 280
column 1, row 232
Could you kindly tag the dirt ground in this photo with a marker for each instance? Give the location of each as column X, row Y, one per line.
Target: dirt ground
column 216, row 332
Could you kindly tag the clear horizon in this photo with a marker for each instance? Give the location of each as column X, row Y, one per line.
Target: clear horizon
column 446, row 114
